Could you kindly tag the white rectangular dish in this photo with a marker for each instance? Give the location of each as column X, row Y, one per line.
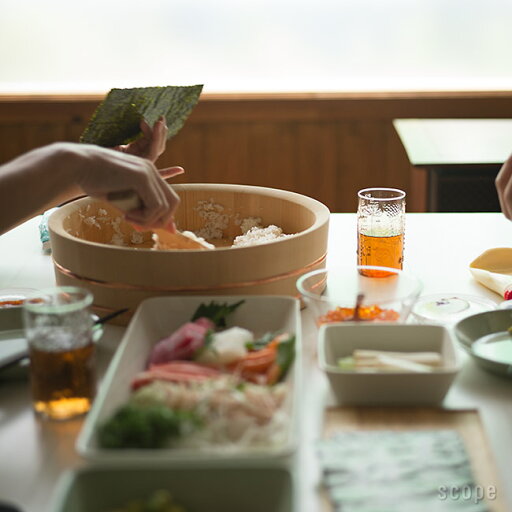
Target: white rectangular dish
column 352, row 387
column 157, row 318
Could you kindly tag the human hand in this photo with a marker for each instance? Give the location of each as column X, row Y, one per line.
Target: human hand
column 105, row 173
column 504, row 188
column 152, row 143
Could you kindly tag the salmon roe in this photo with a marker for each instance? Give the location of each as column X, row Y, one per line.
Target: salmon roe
column 13, row 302
column 366, row 314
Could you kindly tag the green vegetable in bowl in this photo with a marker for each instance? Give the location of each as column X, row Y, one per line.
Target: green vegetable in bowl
column 144, row 426
column 347, row 363
column 382, row 360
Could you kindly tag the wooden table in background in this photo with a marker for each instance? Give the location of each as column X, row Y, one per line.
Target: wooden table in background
column 455, row 161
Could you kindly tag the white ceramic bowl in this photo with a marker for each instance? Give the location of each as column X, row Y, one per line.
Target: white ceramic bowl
column 387, row 387
column 475, row 328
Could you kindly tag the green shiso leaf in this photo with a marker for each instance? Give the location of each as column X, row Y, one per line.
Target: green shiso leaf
column 216, row 312
column 117, row 118
column 285, row 355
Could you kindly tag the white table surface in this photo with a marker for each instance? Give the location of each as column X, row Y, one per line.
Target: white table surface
column 438, row 248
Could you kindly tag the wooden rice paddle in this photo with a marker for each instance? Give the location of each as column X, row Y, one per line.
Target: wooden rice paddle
column 179, row 240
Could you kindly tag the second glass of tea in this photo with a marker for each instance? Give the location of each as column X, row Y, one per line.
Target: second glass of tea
column 380, row 228
column 58, row 327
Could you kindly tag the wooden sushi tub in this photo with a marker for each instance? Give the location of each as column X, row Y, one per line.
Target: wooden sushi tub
column 120, row 277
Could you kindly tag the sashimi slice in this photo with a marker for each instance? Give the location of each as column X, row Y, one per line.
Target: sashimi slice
column 182, row 344
column 176, row 371
column 185, row 367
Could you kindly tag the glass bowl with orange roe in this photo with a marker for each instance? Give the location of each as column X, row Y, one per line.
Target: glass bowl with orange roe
column 353, row 294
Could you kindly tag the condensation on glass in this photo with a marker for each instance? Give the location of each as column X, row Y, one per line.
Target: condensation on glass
column 381, row 228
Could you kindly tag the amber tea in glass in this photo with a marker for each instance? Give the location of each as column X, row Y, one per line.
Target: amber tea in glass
column 58, row 327
column 380, row 229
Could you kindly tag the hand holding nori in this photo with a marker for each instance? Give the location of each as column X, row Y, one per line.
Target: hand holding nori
column 117, row 119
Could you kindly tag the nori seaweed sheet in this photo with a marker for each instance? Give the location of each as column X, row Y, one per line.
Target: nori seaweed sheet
column 117, row 118
column 399, row 471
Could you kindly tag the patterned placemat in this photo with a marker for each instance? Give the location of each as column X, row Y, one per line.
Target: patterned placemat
column 394, row 460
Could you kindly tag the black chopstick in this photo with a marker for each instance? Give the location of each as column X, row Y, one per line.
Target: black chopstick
column 108, row 317
column 99, row 321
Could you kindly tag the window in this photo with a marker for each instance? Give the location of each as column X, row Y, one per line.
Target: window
column 256, row 45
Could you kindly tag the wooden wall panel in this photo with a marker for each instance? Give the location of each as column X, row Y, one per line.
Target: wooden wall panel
column 225, row 152
column 271, row 161
column 329, row 161
column 187, row 146
column 363, row 155
column 327, row 146
column 12, row 142
column 316, row 161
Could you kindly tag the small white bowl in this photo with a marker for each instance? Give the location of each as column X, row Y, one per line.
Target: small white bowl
column 365, row 387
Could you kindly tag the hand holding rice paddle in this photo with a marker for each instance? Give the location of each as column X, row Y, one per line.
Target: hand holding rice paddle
column 165, row 239
column 123, row 121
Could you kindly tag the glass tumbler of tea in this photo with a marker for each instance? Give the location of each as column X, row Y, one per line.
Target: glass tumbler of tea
column 58, row 327
column 380, row 228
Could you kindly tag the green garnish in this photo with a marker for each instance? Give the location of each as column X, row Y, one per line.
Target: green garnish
column 208, row 340
column 216, row 312
column 346, row 363
column 117, row 118
column 144, row 426
column 261, row 342
column 285, row 355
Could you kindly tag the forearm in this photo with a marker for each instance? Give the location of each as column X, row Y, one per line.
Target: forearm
column 52, row 174
column 36, row 181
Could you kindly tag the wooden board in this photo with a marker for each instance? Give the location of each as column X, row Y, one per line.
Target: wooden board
column 466, row 422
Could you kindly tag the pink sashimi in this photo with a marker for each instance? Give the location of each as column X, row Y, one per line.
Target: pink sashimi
column 188, row 367
column 205, row 322
column 175, row 371
column 183, row 343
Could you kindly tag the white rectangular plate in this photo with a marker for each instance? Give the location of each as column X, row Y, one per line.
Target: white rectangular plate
column 157, row 318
